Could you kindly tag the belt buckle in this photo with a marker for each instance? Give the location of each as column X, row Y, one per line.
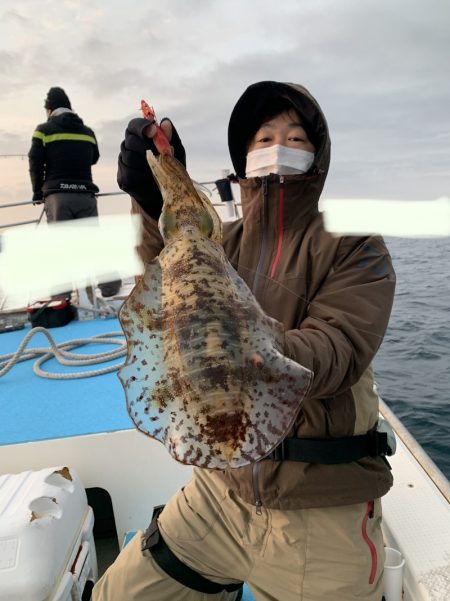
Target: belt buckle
column 278, row 454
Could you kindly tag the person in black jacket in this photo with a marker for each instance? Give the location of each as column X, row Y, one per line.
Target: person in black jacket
column 62, row 152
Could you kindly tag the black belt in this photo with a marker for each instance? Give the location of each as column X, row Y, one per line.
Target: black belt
column 175, row 568
column 331, row 450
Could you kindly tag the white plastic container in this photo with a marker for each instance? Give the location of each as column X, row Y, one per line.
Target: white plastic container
column 393, row 575
column 47, row 550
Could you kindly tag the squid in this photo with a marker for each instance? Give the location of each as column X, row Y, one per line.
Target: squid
column 205, row 372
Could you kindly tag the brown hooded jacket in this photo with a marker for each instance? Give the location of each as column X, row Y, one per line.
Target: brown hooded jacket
column 332, row 294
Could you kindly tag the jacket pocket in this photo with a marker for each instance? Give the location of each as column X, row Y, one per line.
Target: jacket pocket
column 369, row 542
column 190, row 514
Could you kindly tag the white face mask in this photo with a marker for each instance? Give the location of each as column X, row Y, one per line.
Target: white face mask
column 278, row 159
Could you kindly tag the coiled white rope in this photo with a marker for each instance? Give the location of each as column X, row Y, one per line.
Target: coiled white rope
column 59, row 352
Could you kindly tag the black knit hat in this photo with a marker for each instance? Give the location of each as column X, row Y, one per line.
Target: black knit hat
column 57, row 98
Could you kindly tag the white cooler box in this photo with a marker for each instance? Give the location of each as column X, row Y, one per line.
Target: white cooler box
column 47, row 550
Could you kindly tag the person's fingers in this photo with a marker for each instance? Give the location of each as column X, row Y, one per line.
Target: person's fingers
column 149, row 131
column 166, row 126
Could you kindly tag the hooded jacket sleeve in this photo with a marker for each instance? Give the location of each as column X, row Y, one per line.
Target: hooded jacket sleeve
column 347, row 318
column 36, row 161
column 96, row 154
column 134, row 175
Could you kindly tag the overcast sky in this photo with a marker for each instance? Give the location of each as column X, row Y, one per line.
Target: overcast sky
column 379, row 69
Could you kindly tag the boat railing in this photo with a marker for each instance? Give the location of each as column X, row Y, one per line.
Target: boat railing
column 233, row 208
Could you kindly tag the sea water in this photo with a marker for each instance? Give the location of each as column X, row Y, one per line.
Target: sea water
column 412, row 367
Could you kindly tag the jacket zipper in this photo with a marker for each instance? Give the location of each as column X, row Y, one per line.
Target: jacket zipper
column 370, row 544
column 263, row 250
column 280, row 227
column 257, row 466
column 255, row 480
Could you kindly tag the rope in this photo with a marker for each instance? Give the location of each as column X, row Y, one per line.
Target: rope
column 64, row 357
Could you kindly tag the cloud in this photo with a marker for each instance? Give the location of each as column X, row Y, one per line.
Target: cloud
column 13, row 17
column 377, row 69
column 11, row 143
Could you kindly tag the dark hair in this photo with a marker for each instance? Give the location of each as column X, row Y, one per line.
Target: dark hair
column 269, row 109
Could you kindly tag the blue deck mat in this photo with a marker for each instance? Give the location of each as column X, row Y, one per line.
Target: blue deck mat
column 34, row 408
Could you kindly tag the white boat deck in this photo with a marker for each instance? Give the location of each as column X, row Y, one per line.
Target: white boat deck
column 416, row 519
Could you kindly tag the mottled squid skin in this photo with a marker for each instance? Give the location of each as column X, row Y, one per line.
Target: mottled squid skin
column 204, row 372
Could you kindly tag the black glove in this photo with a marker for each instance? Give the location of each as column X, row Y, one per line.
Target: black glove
column 134, row 174
column 37, row 198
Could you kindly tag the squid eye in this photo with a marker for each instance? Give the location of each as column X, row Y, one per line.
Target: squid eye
column 206, row 225
column 167, row 223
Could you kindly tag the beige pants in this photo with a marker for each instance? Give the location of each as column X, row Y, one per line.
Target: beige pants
column 328, row 554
